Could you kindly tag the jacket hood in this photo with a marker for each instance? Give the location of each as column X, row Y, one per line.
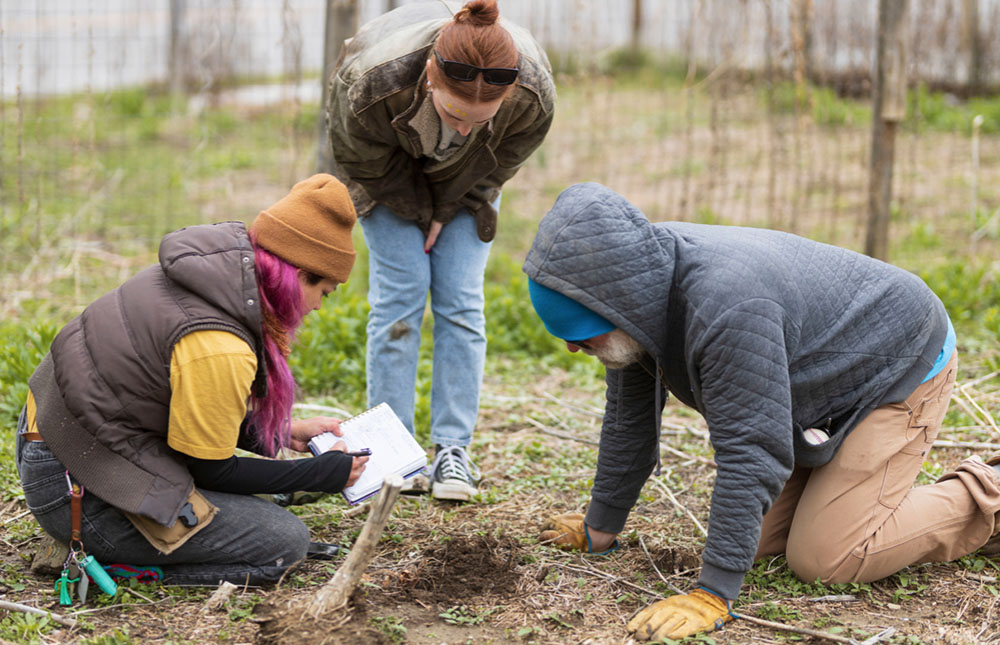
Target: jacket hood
column 597, row 248
column 223, row 252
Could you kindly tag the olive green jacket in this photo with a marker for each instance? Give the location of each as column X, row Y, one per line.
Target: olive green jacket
column 376, row 88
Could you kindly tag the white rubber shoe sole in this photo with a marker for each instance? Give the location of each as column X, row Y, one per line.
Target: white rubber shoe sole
column 453, row 489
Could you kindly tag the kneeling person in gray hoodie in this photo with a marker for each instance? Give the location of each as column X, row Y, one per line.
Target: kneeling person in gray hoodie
column 823, row 375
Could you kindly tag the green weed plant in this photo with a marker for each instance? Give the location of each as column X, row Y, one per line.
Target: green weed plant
column 391, row 626
column 22, row 347
column 465, row 616
column 25, row 628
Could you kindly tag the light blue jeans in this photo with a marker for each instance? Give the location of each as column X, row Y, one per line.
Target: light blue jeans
column 400, row 276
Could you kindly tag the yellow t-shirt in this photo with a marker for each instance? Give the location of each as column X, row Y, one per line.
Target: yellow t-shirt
column 211, row 373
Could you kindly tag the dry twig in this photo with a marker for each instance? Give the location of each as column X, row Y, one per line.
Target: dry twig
column 973, row 383
column 556, row 433
column 656, row 569
column 673, row 499
column 592, row 412
column 815, row 633
column 968, row 409
column 941, row 443
column 964, row 389
column 842, row 598
column 125, row 604
column 312, row 407
column 989, row 614
column 684, row 455
column 14, row 519
column 981, row 578
column 607, row 576
column 13, row 606
column 360, row 509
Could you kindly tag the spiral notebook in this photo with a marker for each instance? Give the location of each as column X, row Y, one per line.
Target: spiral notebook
column 394, row 450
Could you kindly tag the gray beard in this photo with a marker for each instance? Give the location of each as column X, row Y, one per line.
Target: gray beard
column 620, row 351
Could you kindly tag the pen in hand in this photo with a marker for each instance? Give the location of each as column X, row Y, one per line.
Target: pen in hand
column 364, row 452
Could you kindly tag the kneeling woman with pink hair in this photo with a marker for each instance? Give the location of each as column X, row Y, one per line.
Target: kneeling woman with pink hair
column 126, row 445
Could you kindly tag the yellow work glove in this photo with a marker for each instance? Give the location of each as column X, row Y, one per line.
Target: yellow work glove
column 680, row 616
column 565, row 531
column 568, row 531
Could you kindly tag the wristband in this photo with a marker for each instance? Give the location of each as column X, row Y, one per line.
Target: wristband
column 729, row 603
column 613, row 547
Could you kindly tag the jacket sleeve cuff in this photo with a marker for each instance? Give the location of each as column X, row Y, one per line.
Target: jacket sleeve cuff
column 445, row 212
column 722, row 582
column 606, row 518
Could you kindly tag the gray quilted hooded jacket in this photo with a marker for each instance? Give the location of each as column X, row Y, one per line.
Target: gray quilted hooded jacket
column 764, row 333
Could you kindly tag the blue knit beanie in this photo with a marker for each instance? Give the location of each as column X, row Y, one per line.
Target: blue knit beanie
column 564, row 317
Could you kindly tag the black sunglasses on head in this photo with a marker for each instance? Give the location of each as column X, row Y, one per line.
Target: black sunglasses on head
column 465, row 72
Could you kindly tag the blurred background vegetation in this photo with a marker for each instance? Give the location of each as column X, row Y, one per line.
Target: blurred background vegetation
column 119, row 124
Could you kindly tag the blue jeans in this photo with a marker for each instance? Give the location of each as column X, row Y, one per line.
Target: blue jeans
column 400, row 277
column 249, row 541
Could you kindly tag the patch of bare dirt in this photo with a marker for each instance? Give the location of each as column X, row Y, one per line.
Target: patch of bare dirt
column 282, row 620
column 461, row 567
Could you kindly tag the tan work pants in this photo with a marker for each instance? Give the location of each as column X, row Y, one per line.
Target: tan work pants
column 859, row 518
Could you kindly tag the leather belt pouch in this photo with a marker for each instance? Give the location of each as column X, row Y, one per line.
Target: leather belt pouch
column 168, row 539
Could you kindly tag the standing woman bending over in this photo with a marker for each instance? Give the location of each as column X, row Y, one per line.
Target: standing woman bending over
column 142, row 398
column 432, row 108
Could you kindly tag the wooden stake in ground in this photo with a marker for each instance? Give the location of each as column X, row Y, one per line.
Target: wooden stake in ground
column 219, row 598
column 335, row 593
column 316, row 619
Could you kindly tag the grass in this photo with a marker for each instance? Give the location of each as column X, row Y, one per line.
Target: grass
column 108, row 171
column 95, row 180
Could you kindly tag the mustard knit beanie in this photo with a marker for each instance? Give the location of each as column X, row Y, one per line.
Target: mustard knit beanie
column 310, row 227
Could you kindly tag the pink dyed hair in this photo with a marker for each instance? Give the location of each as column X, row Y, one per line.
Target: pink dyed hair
column 281, row 305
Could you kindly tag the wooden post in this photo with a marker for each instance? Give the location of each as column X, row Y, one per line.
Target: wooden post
column 974, row 42
column 337, row 591
column 977, row 123
column 800, row 15
column 636, row 25
column 774, row 143
column 341, row 23
column 888, row 109
column 799, row 19
column 175, row 66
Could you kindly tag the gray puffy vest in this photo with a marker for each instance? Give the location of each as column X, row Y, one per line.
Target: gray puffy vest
column 103, row 390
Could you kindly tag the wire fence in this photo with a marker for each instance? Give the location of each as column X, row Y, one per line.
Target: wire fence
column 117, row 118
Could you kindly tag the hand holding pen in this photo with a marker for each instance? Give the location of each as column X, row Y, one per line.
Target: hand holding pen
column 358, row 461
